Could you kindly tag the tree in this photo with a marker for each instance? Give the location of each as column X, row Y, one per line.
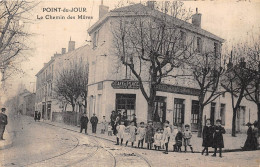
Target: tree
column 13, row 16
column 151, row 44
column 207, row 72
column 72, row 83
column 237, row 79
column 253, row 89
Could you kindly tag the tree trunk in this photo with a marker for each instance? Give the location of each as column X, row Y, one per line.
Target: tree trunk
column 234, row 122
column 200, row 118
column 73, row 107
column 258, row 117
column 150, row 111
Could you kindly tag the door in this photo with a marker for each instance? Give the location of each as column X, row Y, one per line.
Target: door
column 194, row 115
column 178, row 112
column 212, row 113
column 43, row 110
column 49, row 111
column 240, row 120
column 159, row 113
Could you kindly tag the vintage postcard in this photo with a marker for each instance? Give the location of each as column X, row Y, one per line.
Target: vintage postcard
column 122, row 83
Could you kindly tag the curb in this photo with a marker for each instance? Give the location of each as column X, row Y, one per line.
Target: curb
column 223, row 151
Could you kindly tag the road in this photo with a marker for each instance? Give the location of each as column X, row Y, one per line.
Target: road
column 37, row 144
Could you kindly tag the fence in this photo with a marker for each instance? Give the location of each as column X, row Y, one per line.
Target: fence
column 67, row 117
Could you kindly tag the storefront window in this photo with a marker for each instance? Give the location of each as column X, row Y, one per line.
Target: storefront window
column 126, row 102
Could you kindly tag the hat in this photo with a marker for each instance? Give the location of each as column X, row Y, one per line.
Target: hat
column 255, row 123
column 150, row 121
column 3, row 109
column 187, row 125
column 133, row 115
column 248, row 124
column 218, row 120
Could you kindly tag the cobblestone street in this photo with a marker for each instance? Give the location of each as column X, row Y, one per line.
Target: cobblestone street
column 50, row 144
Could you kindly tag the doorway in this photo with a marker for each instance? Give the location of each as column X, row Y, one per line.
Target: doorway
column 194, row 115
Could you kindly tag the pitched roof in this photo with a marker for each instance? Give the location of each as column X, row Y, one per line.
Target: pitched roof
column 142, row 10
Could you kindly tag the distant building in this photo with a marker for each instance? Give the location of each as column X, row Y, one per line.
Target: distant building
column 29, row 101
column 21, row 101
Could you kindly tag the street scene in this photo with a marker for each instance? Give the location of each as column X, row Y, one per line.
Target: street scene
column 129, row 83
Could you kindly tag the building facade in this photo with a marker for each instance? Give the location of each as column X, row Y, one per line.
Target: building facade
column 177, row 100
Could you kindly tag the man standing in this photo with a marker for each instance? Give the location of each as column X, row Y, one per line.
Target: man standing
column 84, row 123
column 3, row 123
column 94, row 121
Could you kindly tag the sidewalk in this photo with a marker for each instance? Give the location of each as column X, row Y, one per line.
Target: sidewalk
column 7, row 142
column 231, row 143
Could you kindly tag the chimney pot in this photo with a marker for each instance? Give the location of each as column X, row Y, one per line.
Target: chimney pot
column 103, row 10
column 71, row 45
column 150, row 4
column 196, row 19
column 63, row 50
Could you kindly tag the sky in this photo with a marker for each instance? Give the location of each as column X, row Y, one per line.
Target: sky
column 231, row 20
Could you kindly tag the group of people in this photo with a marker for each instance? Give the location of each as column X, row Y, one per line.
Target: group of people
column 160, row 138
column 84, row 123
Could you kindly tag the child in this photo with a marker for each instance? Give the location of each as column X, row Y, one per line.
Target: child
column 103, row 125
column 158, row 139
column 132, row 132
column 149, row 135
column 175, row 131
column 109, row 129
column 187, row 138
column 120, row 133
column 207, row 137
column 141, row 131
column 166, row 135
column 178, row 140
column 218, row 141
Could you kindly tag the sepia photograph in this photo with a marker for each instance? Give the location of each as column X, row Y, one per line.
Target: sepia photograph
column 129, row 83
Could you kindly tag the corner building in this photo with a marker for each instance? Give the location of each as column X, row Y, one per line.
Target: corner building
column 176, row 101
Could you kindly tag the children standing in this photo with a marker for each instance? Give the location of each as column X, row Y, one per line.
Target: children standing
column 187, row 138
column 141, row 132
column 158, row 139
column 218, row 141
column 178, row 140
column 207, row 136
column 132, row 132
column 166, row 136
column 120, row 133
column 109, row 129
column 149, row 135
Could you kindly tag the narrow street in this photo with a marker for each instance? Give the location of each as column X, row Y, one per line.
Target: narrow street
column 40, row 144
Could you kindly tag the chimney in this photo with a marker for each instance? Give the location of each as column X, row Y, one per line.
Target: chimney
column 102, row 10
column 196, row 19
column 71, row 45
column 150, row 4
column 63, row 51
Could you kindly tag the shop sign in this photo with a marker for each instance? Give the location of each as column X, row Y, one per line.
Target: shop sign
column 125, row 84
column 177, row 89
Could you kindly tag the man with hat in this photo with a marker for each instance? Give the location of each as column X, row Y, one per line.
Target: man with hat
column 84, row 123
column 3, row 123
column 94, row 122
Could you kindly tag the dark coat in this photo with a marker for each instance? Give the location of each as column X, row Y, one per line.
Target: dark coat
column 149, row 134
column 38, row 116
column 250, row 142
column 94, row 120
column 134, row 120
column 218, row 141
column 84, row 121
column 207, row 136
column 178, row 139
column 3, row 119
column 124, row 119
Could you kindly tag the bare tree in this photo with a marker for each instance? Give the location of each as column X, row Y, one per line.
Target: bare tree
column 207, row 72
column 13, row 16
column 72, row 83
column 151, row 44
column 237, row 78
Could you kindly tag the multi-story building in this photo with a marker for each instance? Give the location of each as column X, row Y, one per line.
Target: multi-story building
column 46, row 100
column 176, row 101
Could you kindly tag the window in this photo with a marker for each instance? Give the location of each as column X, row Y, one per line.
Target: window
column 241, row 114
column 212, row 113
column 178, row 112
column 194, row 111
column 126, row 102
column 182, row 39
column 95, row 39
column 222, row 113
column 160, row 108
column 199, row 45
column 216, row 49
